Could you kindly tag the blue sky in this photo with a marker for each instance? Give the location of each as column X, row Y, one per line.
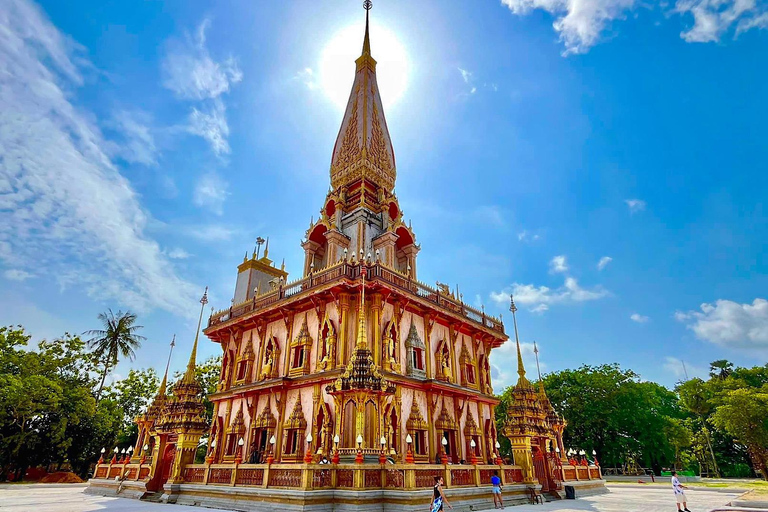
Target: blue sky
column 605, row 160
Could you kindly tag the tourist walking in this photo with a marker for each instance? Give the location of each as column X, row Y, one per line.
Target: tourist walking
column 496, row 490
column 679, row 494
column 438, row 497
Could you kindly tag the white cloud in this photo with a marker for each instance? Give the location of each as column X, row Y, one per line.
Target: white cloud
column 581, row 23
column 178, row 254
column 504, row 364
column 137, row 144
column 730, row 324
column 525, row 236
column 635, row 317
column 541, row 297
column 635, row 205
column 210, row 123
column 64, row 207
column 604, row 261
column 713, row 18
column 558, row 265
column 191, row 73
column 210, row 192
column 308, row 78
column 14, row 274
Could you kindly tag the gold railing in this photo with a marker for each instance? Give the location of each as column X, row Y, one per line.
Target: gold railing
column 326, row 476
column 349, row 271
column 344, row 476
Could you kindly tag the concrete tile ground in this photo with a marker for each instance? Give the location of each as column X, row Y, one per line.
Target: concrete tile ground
column 622, row 498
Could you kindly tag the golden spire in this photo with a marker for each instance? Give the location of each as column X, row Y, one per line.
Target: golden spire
column 520, row 367
column 189, row 375
column 363, row 148
column 362, row 340
column 367, row 5
column 164, row 383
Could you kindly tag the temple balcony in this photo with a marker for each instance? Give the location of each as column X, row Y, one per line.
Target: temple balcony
column 345, row 274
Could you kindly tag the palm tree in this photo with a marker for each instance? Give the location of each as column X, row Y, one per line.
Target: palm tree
column 118, row 338
column 720, row 369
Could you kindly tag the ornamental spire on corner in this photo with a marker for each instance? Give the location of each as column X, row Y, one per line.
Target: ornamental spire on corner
column 189, row 375
column 363, row 149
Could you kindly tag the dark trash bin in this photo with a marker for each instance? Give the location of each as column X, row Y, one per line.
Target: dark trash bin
column 570, row 492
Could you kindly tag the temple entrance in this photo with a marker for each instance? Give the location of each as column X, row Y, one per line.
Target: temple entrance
column 258, row 446
column 167, row 463
column 541, row 469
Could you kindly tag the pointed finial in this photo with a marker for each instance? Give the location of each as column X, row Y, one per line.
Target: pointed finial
column 362, row 340
column 245, row 258
column 266, row 249
column 367, row 5
column 520, row 367
column 164, row 383
column 282, row 265
column 189, row 375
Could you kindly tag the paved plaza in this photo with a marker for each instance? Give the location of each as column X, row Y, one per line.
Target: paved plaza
column 622, row 498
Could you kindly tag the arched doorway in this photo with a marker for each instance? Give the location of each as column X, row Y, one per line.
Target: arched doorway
column 167, row 462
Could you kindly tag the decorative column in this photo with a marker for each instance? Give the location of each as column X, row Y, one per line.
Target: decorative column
column 376, row 314
column 341, row 353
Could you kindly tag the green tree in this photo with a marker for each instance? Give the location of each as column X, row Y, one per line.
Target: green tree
column 117, row 338
column 611, row 411
column 743, row 413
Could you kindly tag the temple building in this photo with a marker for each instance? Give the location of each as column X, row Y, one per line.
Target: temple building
column 354, row 376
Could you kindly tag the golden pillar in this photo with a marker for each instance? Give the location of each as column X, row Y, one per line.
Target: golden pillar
column 343, row 328
column 376, row 313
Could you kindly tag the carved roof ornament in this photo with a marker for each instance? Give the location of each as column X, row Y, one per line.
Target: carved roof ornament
column 445, row 421
column 470, row 426
column 363, row 148
column 266, row 419
column 303, row 338
column 416, row 420
column 413, row 340
column 238, row 422
column 296, row 419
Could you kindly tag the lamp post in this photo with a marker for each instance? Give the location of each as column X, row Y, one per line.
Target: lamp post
column 473, row 458
column 124, row 457
column 144, row 454
column 308, row 455
column 359, row 456
column 335, row 458
column 239, row 456
column 130, row 453
column 114, row 456
column 271, row 455
column 443, row 454
column 408, row 452
column 383, row 455
column 594, row 457
column 101, row 457
column 498, row 455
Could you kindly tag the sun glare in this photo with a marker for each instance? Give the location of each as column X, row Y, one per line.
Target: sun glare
column 337, row 64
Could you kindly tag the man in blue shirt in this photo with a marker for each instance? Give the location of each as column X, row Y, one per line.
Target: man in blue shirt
column 496, row 483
